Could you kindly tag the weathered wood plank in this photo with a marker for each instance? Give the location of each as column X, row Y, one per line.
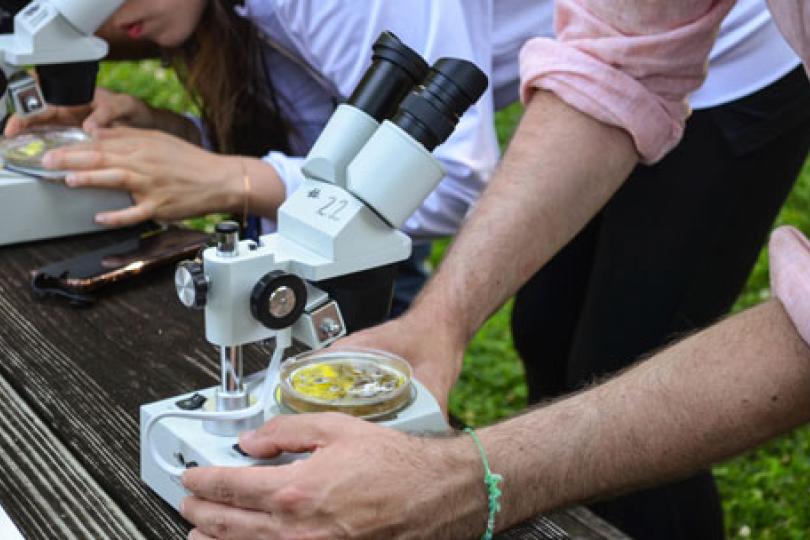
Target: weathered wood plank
column 85, row 372
column 46, row 491
column 571, row 523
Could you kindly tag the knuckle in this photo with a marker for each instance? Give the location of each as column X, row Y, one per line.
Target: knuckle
column 98, row 159
column 291, row 499
column 271, row 425
column 219, row 526
column 223, row 492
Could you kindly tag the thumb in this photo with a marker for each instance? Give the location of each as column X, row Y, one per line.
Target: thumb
column 104, row 115
column 15, row 125
column 291, row 433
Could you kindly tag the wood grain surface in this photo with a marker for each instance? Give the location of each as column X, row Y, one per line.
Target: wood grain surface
column 73, row 380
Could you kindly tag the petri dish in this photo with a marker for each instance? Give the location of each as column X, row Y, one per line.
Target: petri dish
column 365, row 383
column 23, row 153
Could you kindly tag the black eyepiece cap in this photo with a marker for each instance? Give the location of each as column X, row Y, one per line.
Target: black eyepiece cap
column 391, row 48
column 395, row 69
column 470, row 82
column 431, row 112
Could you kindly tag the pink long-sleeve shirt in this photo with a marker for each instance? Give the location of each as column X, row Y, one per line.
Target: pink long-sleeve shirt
column 632, row 63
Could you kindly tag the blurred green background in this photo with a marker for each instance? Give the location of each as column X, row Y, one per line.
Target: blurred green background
column 766, row 494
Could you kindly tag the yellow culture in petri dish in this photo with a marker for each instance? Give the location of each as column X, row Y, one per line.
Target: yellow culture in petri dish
column 362, row 383
column 24, row 152
column 31, row 149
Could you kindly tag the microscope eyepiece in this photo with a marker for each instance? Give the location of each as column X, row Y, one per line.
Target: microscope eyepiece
column 430, row 112
column 395, row 69
column 68, row 84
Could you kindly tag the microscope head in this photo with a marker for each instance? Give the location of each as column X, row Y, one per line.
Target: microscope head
column 55, row 36
column 335, row 252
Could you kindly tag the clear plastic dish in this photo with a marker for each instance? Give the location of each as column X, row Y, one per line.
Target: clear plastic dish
column 365, row 383
column 23, row 153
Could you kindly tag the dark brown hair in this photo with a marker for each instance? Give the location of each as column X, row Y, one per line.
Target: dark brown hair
column 222, row 67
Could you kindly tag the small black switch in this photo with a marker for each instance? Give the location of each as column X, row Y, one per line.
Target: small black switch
column 192, row 403
column 238, row 450
column 192, row 464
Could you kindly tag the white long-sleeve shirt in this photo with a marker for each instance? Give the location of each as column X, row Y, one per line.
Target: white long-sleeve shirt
column 333, row 39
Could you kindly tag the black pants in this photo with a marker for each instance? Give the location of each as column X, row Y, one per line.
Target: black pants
column 668, row 254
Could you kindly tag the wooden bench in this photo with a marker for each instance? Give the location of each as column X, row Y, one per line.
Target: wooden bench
column 71, row 383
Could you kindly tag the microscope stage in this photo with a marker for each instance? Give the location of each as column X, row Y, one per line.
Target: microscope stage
column 36, row 209
column 184, row 442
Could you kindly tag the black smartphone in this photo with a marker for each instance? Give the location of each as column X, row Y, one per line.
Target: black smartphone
column 88, row 272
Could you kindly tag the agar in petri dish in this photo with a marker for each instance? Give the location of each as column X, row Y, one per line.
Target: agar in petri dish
column 360, row 382
column 23, row 153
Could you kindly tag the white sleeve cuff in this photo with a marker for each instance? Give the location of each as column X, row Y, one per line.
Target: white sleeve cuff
column 288, row 169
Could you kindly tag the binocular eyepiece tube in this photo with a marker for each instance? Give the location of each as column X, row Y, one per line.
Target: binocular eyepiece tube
column 395, row 171
column 432, row 110
column 394, row 71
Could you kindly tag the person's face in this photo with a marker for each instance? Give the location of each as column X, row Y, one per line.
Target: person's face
column 169, row 23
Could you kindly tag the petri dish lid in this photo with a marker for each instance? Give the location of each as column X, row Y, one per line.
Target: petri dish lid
column 365, row 383
column 23, row 153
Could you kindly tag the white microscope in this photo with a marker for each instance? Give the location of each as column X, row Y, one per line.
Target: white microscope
column 56, row 36
column 328, row 269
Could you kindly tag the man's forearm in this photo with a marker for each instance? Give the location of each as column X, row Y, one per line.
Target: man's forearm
column 560, row 169
column 715, row 394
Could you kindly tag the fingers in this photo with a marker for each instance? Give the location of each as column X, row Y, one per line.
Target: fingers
column 102, row 117
column 293, row 433
column 126, row 132
column 103, row 178
column 245, row 487
column 214, row 520
column 196, row 534
column 88, row 156
column 128, row 216
column 109, row 108
column 17, row 124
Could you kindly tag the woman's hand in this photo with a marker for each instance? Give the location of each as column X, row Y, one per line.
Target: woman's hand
column 106, row 110
column 168, row 178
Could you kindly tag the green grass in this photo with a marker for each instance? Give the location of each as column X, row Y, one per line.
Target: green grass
column 765, row 493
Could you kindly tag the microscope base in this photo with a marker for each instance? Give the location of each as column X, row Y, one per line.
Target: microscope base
column 35, row 209
column 188, row 444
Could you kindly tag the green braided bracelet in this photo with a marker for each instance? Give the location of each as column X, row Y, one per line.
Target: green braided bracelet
column 491, row 480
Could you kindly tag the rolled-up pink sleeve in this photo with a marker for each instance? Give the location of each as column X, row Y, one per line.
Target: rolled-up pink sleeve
column 627, row 63
column 789, row 252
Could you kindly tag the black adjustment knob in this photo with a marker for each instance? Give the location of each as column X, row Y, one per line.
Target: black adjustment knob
column 191, row 284
column 227, row 235
column 278, row 299
column 226, row 227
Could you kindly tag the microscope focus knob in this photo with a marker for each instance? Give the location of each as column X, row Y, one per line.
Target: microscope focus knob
column 191, row 284
column 278, row 299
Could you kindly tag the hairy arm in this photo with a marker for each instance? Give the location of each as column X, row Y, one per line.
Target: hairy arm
column 718, row 393
column 559, row 171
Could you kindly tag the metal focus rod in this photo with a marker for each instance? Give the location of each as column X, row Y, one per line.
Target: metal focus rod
column 232, row 369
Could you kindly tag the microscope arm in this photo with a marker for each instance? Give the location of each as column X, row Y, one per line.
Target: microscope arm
column 50, row 32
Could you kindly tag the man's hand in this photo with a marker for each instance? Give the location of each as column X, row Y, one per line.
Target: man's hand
column 435, row 356
column 361, row 481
